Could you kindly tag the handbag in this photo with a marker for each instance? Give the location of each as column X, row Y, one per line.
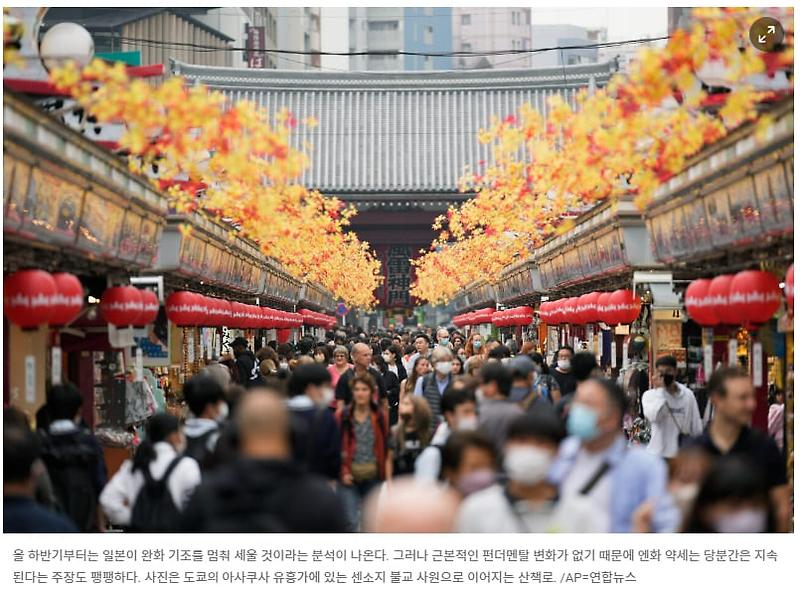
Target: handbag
column 364, row 471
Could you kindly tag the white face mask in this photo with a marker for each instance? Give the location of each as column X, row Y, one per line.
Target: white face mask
column 468, row 424
column 222, row 415
column 527, row 465
column 283, row 365
column 444, row 367
column 563, row 364
column 750, row 520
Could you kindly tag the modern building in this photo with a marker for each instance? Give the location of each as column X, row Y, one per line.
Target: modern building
column 298, row 30
column 395, row 144
column 485, row 30
column 573, row 43
column 394, row 29
column 237, row 23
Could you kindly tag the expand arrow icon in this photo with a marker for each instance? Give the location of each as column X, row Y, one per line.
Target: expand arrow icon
column 771, row 29
column 762, row 39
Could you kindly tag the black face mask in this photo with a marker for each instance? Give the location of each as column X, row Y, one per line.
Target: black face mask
column 668, row 379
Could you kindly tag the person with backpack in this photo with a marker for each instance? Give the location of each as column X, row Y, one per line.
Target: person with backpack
column 316, row 441
column 263, row 490
column 149, row 491
column 365, row 431
column 209, row 410
column 245, row 361
column 73, row 458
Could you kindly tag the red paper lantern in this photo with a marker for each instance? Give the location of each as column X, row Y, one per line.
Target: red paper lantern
column 28, row 297
column 718, row 294
column 604, row 311
column 68, row 300
column 121, row 305
column 523, row 315
column 626, row 304
column 227, row 317
column 570, row 310
column 557, row 312
column 698, row 303
column 587, row 307
column 482, row 316
column 150, row 306
column 283, row 335
column 184, row 309
column 789, row 288
column 754, row 296
column 239, row 316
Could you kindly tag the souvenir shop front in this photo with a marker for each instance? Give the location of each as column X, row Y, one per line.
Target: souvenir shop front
column 587, row 276
column 520, row 288
column 724, row 228
column 475, row 306
column 317, row 306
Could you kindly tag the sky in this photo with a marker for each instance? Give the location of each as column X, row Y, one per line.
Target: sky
column 622, row 23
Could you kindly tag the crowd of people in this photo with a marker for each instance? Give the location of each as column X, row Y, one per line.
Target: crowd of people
column 399, row 432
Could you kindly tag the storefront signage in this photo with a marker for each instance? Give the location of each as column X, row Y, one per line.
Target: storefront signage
column 758, row 365
column 708, row 359
column 732, row 345
column 625, row 361
column 589, row 259
column 55, row 365
column 138, row 365
column 30, row 379
column 613, row 354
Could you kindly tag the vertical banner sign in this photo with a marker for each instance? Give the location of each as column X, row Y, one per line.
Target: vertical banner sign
column 55, row 365
column 708, row 360
column 625, row 355
column 30, row 379
column 613, row 354
column 590, row 337
column 758, row 365
column 255, row 44
column 576, row 344
column 732, row 344
column 217, row 345
column 138, row 364
column 190, row 345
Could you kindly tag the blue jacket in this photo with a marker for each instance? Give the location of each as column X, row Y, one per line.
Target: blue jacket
column 636, row 477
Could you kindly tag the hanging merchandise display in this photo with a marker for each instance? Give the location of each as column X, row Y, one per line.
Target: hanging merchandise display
column 121, row 305
column 28, row 298
column 789, row 288
column 68, row 301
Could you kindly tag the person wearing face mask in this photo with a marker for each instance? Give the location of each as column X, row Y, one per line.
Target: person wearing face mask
column 394, row 361
column 459, row 411
column 583, row 366
column 209, row 410
column 495, row 412
column 469, row 462
column 409, row 437
column 733, row 498
column 563, row 370
column 316, row 441
column 433, row 386
column 390, row 383
column 443, row 338
column 158, row 457
column 671, row 409
column 526, row 502
column 523, row 374
column 595, row 462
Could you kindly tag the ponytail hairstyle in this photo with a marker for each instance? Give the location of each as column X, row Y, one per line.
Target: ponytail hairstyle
column 159, row 427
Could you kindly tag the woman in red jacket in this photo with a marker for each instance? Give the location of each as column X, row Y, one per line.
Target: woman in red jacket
column 364, row 432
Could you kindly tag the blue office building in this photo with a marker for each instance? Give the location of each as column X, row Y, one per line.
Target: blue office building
column 428, row 30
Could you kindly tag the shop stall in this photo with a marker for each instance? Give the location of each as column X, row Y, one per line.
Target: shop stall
column 730, row 212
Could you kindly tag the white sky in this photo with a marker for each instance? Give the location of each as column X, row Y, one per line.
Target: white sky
column 621, row 23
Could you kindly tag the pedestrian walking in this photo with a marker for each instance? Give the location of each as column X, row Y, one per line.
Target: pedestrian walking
column 409, row 437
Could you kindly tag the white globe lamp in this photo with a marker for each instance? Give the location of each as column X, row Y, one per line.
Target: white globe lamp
column 64, row 42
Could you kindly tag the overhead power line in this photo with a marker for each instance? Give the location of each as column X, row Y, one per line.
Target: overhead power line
column 455, row 54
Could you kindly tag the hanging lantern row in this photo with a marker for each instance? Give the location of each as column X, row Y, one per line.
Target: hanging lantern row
column 513, row 317
column 189, row 309
column 749, row 297
column 317, row 319
column 475, row 317
column 35, row 297
column 612, row 308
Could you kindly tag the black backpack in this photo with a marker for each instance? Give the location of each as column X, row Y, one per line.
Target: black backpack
column 71, row 462
column 154, row 510
column 197, row 448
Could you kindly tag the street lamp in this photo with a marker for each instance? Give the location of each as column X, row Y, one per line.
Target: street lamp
column 64, row 42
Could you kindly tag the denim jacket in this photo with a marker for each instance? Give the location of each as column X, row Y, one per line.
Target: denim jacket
column 636, row 477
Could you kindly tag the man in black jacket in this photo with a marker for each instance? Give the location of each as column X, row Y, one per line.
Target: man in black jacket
column 245, row 361
column 316, row 441
column 263, row 490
